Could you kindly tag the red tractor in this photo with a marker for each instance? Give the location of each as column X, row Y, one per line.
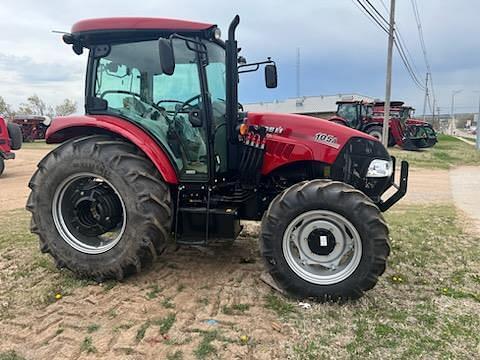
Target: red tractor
column 410, row 134
column 164, row 150
column 33, row 127
column 10, row 139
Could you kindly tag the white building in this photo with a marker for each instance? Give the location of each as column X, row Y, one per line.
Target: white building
column 319, row 106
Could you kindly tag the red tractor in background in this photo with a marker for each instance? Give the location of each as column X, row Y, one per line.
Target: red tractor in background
column 10, row 139
column 34, row 127
column 164, row 151
column 407, row 133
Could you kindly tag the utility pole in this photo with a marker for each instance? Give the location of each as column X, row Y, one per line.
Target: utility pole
column 388, row 85
column 452, row 111
column 298, row 72
column 433, row 110
column 425, row 99
column 478, row 127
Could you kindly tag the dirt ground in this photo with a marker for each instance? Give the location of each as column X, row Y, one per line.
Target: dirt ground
column 192, row 301
column 14, row 181
column 425, row 186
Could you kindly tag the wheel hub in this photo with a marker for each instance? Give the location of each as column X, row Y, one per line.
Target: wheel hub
column 96, row 209
column 322, row 247
column 89, row 213
column 321, row 241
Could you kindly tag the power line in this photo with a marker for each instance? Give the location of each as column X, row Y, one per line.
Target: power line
column 401, row 40
column 378, row 12
column 400, row 47
column 370, row 15
column 407, row 64
column 416, row 14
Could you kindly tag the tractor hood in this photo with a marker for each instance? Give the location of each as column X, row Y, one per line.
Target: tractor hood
column 301, row 137
column 416, row 122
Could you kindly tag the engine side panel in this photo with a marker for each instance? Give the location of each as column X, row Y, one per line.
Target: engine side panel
column 293, row 138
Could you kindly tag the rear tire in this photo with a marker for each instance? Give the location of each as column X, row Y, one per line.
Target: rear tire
column 81, row 182
column 2, row 166
column 345, row 216
column 15, row 134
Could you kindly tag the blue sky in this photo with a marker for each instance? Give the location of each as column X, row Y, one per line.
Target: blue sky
column 341, row 50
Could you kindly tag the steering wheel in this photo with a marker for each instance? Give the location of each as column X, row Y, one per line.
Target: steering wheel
column 185, row 104
column 169, row 101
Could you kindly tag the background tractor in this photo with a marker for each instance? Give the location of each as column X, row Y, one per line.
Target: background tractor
column 408, row 133
column 164, row 150
column 10, row 139
column 33, row 127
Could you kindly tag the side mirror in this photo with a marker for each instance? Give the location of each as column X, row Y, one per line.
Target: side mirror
column 271, row 76
column 195, row 118
column 167, row 58
column 242, row 60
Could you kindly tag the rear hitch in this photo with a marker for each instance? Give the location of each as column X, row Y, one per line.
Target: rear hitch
column 401, row 187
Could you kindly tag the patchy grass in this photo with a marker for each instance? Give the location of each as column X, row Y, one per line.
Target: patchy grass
column 280, row 306
column 235, row 309
column 154, row 291
column 38, row 144
column 87, row 346
column 142, row 330
column 205, row 348
column 425, row 306
column 167, row 303
column 92, row 328
column 10, row 355
column 166, row 323
column 448, row 152
column 177, row 355
column 29, row 271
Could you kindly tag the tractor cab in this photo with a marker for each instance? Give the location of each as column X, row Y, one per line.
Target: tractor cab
column 169, row 78
column 353, row 113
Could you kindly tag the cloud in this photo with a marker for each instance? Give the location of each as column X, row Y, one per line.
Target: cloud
column 341, row 50
column 30, row 71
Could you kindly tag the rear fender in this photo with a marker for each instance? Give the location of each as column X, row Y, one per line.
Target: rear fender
column 64, row 128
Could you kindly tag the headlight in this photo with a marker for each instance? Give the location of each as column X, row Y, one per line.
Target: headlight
column 217, row 33
column 380, row 168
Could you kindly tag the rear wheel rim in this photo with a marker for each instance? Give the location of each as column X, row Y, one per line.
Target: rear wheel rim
column 89, row 213
column 322, row 247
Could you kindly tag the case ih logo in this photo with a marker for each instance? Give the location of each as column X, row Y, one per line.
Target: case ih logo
column 326, row 139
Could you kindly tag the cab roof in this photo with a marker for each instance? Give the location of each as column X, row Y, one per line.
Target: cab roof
column 138, row 23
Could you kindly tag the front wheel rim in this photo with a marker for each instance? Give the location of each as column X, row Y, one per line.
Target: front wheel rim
column 377, row 135
column 89, row 213
column 322, row 247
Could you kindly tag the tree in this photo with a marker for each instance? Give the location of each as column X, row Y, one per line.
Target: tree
column 33, row 106
column 36, row 106
column 66, row 108
column 5, row 109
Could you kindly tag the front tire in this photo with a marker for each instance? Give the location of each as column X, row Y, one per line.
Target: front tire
column 376, row 132
column 15, row 134
column 324, row 239
column 100, row 208
column 2, row 166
